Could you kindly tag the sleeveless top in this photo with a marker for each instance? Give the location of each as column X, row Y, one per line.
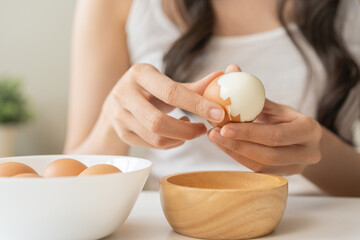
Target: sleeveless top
column 270, row 55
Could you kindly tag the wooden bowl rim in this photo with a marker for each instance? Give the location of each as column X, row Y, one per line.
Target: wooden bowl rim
column 282, row 181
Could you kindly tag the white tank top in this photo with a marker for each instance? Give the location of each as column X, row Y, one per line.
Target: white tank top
column 270, row 55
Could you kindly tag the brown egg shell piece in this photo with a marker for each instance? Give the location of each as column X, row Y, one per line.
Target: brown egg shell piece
column 212, row 92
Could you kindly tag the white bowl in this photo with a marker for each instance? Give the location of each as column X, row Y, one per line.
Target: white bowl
column 89, row 207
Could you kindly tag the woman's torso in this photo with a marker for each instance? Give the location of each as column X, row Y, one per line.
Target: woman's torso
column 269, row 55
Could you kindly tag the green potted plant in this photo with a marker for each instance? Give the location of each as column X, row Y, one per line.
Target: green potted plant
column 13, row 111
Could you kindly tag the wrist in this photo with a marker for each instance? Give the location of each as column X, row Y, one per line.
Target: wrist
column 103, row 139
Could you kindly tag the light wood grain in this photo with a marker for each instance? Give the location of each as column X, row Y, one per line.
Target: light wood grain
column 224, row 204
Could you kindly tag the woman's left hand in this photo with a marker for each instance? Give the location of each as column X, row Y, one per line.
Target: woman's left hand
column 280, row 141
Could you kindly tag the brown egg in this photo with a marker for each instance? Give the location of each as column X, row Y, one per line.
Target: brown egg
column 241, row 94
column 100, row 169
column 27, row 175
column 64, row 167
column 10, row 169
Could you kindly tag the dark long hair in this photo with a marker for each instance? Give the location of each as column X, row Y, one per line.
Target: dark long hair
column 316, row 21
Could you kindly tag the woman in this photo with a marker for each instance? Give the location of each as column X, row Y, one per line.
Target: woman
column 306, row 53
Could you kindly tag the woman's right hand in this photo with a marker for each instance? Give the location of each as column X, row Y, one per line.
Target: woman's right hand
column 138, row 103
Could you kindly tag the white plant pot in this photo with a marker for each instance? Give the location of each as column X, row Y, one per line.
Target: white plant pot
column 8, row 134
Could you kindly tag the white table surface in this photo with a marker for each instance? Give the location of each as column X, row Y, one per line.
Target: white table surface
column 305, row 218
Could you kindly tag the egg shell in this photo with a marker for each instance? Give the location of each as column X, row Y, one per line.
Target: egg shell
column 27, row 175
column 243, row 87
column 100, row 169
column 10, row 169
column 64, row 167
column 212, row 92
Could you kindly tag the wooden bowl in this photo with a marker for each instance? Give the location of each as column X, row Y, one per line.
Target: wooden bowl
column 223, row 204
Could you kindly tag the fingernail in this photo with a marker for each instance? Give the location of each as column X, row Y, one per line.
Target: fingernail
column 217, row 130
column 228, row 132
column 213, row 131
column 215, row 134
column 216, row 114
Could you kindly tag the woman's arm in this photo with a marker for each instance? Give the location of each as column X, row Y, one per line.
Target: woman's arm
column 338, row 172
column 281, row 149
column 99, row 59
column 113, row 106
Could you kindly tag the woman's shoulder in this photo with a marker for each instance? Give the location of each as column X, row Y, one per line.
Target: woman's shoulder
column 100, row 12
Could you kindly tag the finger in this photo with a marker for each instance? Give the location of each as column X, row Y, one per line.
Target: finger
column 233, row 68
column 261, row 168
column 132, row 139
column 276, row 113
column 269, row 156
column 298, row 131
column 161, row 124
column 177, row 95
column 200, row 86
column 163, row 107
column 136, row 135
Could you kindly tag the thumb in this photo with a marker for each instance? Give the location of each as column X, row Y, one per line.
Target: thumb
column 275, row 113
column 233, row 68
column 200, row 85
column 274, row 108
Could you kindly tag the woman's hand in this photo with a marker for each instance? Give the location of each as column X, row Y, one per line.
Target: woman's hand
column 137, row 107
column 280, row 141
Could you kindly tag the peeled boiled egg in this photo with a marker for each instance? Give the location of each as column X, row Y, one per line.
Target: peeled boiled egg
column 241, row 94
column 27, row 175
column 64, row 167
column 100, row 169
column 10, row 169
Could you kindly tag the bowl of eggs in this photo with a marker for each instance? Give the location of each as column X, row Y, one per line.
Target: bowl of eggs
column 68, row 196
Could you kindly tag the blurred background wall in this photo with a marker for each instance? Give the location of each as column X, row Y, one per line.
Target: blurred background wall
column 35, row 38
